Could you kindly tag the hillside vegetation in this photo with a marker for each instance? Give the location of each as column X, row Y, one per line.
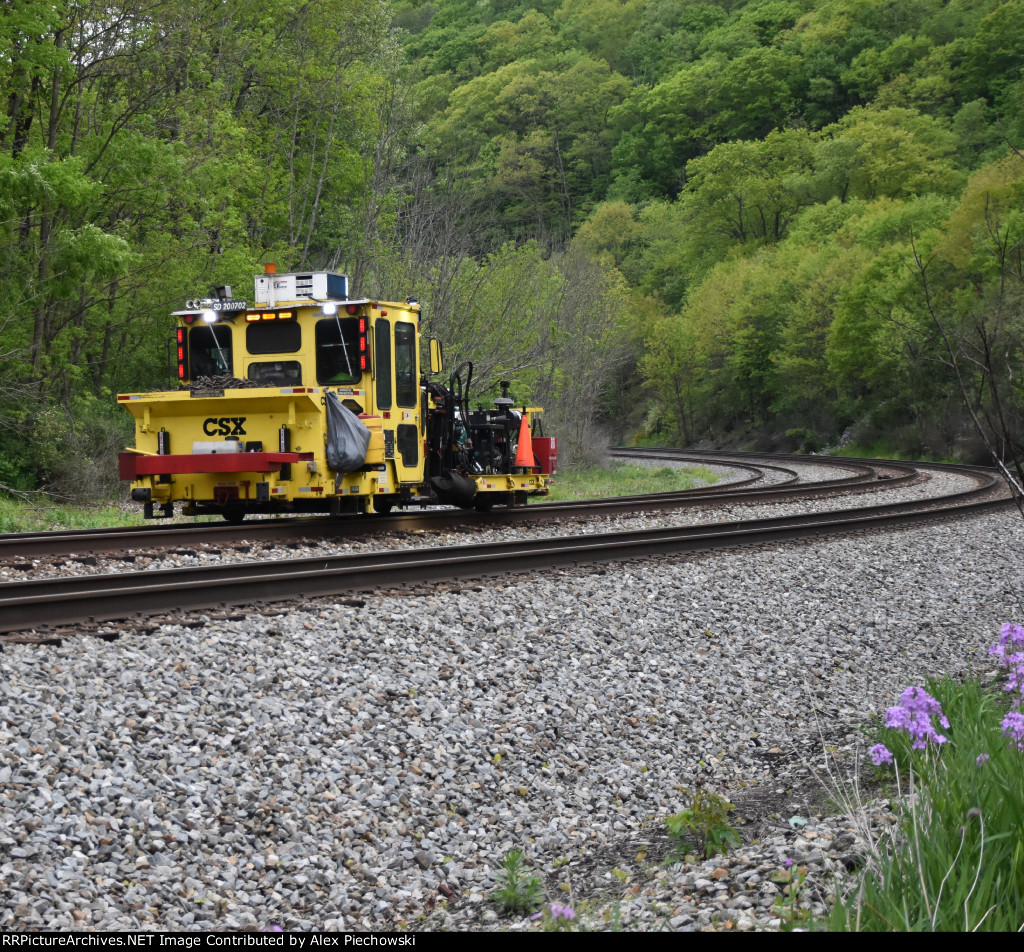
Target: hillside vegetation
column 661, row 218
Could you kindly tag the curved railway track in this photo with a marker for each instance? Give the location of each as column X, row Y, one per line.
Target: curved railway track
column 47, row 602
column 29, row 545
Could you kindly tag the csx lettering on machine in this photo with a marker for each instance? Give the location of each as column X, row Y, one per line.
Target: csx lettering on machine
column 308, row 401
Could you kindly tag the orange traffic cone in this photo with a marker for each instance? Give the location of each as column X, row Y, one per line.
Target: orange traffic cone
column 524, row 451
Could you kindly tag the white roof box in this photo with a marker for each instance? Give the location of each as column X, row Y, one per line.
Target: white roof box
column 272, row 289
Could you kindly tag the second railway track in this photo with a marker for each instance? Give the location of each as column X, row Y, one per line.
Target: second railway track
column 43, row 603
column 752, row 485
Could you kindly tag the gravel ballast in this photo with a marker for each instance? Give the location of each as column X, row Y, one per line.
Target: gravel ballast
column 357, row 767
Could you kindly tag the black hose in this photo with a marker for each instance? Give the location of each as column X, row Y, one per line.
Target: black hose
column 463, row 397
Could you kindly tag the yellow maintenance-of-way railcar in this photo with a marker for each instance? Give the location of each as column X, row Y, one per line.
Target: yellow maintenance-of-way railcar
column 307, row 401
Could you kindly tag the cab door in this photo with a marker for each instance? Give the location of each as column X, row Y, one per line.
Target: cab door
column 407, row 413
column 396, row 395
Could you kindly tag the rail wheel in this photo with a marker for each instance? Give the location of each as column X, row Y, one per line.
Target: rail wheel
column 483, row 502
column 233, row 514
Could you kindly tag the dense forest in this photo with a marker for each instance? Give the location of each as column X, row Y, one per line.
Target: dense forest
column 787, row 223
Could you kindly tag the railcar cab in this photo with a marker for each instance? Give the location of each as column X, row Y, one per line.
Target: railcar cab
column 304, row 332
column 248, row 429
column 293, row 336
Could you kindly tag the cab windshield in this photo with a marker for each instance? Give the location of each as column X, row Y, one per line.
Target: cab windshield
column 209, row 350
column 337, row 350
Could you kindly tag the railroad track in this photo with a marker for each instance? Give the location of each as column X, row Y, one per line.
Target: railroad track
column 46, row 603
column 150, row 538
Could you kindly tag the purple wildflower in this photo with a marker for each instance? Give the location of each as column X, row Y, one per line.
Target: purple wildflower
column 914, row 714
column 918, row 699
column 981, row 759
column 1011, row 636
column 1013, row 728
column 880, row 754
column 789, row 863
column 898, row 717
column 1016, row 681
column 557, row 911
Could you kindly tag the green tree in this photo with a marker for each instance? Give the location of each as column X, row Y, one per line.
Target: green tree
column 715, row 100
column 601, row 27
column 133, row 175
column 535, row 134
column 739, row 196
column 669, row 33
column 887, row 152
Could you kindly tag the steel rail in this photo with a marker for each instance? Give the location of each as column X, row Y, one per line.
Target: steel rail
column 79, row 541
column 743, row 455
column 40, row 603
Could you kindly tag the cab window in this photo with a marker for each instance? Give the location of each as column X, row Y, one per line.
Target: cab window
column 209, row 350
column 406, row 389
column 276, row 373
column 276, row 337
column 337, row 350
column 382, row 358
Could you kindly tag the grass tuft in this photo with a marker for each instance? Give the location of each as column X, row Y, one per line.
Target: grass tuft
column 45, row 515
column 627, row 479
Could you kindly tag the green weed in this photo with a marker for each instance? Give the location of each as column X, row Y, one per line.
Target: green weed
column 704, row 826
column 517, row 891
column 787, row 907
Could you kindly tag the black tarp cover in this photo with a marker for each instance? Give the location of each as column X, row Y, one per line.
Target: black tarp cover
column 347, row 437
